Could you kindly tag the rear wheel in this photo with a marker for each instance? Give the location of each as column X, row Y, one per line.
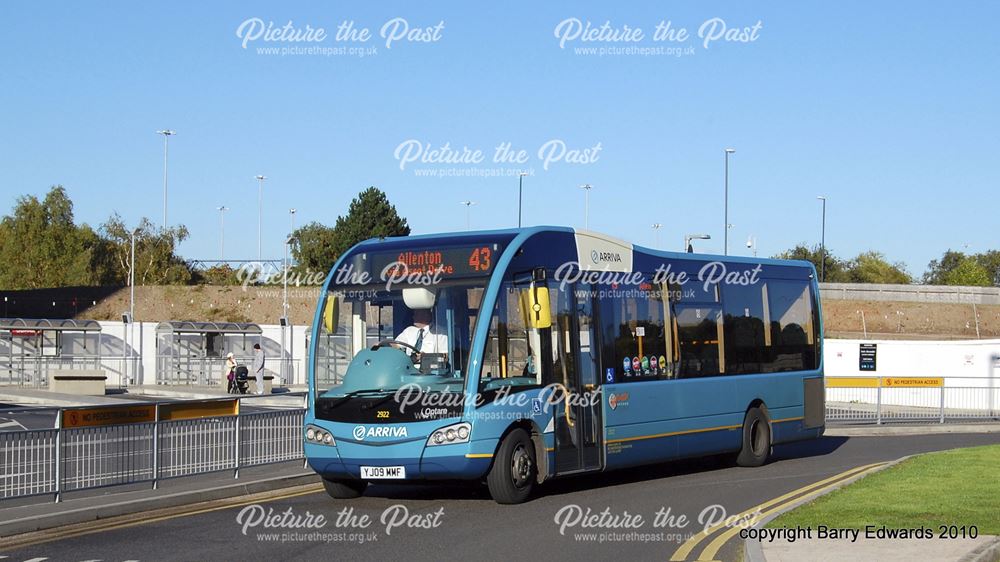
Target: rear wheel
column 756, row 439
column 512, row 478
column 344, row 489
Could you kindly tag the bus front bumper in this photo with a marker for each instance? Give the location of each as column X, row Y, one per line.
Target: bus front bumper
column 464, row 461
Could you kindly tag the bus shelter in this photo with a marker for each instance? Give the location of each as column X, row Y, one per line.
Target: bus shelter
column 31, row 349
column 195, row 352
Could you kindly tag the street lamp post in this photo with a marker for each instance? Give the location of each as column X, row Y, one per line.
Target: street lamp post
column 260, row 202
column 822, row 243
column 167, row 133
column 726, row 205
column 520, row 195
column 222, row 232
column 131, row 297
column 291, row 220
column 285, row 322
column 468, row 213
column 656, row 233
column 689, row 237
column 586, row 205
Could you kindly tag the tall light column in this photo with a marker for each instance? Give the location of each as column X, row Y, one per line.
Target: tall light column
column 725, row 224
column 468, row 213
column 822, row 242
column 656, row 230
column 520, row 195
column 291, row 220
column 260, row 202
column 167, row 133
column 586, row 205
column 222, row 232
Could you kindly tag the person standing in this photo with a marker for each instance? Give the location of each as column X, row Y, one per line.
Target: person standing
column 231, row 373
column 258, row 367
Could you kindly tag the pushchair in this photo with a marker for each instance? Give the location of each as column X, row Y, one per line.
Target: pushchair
column 239, row 383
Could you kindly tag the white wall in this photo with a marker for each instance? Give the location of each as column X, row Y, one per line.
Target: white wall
column 961, row 362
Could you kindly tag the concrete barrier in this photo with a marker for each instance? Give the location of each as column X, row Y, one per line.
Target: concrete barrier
column 90, row 382
column 268, row 380
column 910, row 293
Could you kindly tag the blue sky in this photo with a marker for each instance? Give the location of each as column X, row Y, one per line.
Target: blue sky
column 889, row 112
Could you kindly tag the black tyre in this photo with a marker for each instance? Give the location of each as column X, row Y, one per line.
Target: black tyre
column 512, row 477
column 756, row 439
column 344, row 489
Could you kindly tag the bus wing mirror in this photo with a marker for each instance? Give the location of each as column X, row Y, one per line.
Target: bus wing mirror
column 535, row 305
column 330, row 310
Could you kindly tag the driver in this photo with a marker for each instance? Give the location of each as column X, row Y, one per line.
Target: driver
column 423, row 334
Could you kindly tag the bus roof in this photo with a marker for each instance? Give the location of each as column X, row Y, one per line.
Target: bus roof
column 507, row 235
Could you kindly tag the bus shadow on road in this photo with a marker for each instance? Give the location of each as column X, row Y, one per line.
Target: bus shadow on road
column 682, row 467
column 583, row 482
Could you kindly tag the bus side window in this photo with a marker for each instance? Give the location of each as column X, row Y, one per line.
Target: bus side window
column 698, row 339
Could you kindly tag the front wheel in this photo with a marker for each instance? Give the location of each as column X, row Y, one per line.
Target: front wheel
column 756, row 439
column 512, row 477
column 344, row 489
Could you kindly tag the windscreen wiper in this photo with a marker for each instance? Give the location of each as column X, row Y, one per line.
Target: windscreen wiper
column 347, row 396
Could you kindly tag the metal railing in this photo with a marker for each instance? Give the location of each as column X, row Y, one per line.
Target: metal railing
column 883, row 400
column 66, row 459
column 207, row 371
column 34, row 371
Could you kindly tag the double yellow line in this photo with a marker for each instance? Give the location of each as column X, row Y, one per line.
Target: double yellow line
column 125, row 521
column 720, row 534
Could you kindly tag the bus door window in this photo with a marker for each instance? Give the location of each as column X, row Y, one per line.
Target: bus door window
column 589, row 360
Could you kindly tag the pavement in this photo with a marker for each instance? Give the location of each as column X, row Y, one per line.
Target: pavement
column 642, row 513
column 28, row 515
column 29, row 408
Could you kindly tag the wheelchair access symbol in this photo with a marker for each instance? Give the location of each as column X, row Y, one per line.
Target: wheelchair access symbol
column 536, row 406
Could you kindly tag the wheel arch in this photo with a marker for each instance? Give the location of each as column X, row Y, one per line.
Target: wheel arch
column 537, row 439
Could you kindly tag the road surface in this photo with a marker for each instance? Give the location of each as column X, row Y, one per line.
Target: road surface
column 461, row 522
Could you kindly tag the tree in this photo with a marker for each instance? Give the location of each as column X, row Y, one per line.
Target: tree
column 945, row 270
column 937, row 270
column 313, row 248
column 370, row 215
column 969, row 272
column 991, row 261
column 873, row 267
column 155, row 257
column 835, row 267
column 41, row 246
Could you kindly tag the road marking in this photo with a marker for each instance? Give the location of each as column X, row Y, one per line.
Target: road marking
column 685, row 550
column 136, row 519
column 713, row 547
column 43, row 559
column 11, row 423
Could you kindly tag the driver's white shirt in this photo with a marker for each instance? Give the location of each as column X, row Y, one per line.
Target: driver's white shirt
column 432, row 343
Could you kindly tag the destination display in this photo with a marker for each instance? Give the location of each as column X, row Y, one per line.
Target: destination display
column 465, row 261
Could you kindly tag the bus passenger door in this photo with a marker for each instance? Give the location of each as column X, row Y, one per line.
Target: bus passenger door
column 574, row 358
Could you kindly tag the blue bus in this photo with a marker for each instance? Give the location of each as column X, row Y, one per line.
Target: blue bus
column 517, row 356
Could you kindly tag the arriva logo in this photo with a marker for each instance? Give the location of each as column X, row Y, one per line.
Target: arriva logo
column 361, row 432
column 598, row 257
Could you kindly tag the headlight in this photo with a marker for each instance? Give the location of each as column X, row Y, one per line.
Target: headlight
column 451, row 434
column 319, row 436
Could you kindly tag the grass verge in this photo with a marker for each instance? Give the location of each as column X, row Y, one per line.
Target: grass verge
column 958, row 487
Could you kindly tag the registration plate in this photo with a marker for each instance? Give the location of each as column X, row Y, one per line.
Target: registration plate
column 378, row 472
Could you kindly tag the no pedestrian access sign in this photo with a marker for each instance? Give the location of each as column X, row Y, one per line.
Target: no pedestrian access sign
column 114, row 415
